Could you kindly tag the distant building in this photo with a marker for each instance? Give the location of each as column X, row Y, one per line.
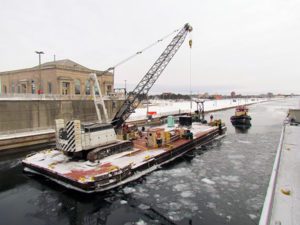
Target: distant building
column 232, row 94
column 205, row 95
column 218, row 97
column 62, row 77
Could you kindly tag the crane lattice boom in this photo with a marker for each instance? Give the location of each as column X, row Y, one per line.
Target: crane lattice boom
column 134, row 98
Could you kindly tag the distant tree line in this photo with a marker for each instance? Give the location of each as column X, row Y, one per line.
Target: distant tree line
column 171, row 96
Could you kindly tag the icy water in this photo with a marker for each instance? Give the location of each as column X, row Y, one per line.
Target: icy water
column 224, row 183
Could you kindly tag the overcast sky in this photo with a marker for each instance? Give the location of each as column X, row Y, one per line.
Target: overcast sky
column 249, row 46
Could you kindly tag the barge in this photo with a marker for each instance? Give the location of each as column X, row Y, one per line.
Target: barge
column 109, row 167
column 95, row 157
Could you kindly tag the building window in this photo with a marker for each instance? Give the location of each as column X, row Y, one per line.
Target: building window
column 19, row 88
column 87, row 87
column 108, row 89
column 4, row 89
column 96, row 89
column 32, row 87
column 65, row 88
column 49, row 88
column 77, row 87
column 23, row 88
column 12, row 87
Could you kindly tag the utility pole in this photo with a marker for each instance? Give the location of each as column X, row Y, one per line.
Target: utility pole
column 191, row 98
column 40, row 84
column 40, row 91
column 125, row 89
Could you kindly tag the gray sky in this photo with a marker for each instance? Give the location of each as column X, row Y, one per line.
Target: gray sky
column 249, row 46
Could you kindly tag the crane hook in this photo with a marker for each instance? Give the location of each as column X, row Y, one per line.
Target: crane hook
column 190, row 43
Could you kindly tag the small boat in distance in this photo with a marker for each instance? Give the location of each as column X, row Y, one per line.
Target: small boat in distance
column 241, row 119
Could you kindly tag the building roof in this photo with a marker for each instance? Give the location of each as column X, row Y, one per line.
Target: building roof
column 65, row 64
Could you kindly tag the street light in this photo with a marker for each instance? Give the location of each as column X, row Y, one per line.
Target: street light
column 40, row 90
column 125, row 89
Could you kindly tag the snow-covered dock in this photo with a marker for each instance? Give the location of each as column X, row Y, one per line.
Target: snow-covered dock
column 282, row 202
column 25, row 138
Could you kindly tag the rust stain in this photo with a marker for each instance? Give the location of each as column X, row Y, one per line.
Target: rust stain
column 77, row 174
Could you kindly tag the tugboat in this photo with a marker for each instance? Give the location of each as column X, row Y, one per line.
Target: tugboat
column 241, row 119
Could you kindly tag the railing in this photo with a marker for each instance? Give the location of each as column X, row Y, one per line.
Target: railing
column 268, row 204
column 26, row 130
column 28, row 96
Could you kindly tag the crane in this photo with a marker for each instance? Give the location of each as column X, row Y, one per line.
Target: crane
column 93, row 140
column 134, row 98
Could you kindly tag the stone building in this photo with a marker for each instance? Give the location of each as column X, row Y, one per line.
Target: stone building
column 62, row 77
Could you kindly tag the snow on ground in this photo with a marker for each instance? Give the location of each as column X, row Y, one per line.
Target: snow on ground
column 167, row 107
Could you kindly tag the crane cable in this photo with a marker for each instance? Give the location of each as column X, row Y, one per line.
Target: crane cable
column 141, row 51
column 190, row 44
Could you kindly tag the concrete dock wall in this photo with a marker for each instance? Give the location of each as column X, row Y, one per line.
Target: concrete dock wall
column 25, row 114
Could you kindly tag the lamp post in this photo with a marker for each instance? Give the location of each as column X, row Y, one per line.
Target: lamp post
column 125, row 89
column 40, row 84
column 40, row 90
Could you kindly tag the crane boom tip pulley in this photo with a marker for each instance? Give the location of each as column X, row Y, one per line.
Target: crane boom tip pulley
column 188, row 27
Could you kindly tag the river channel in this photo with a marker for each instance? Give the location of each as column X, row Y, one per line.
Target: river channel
column 223, row 183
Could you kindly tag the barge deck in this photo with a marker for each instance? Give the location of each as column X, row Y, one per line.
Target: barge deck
column 117, row 169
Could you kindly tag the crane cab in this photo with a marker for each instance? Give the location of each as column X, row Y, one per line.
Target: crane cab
column 75, row 136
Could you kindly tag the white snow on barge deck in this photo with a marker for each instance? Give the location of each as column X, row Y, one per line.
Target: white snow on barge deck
column 61, row 166
column 282, row 203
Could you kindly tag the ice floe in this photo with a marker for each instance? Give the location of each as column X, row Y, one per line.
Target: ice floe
column 180, row 172
column 211, row 205
column 252, row 216
column 187, row 194
column 181, row 187
column 143, row 206
column 174, row 206
column 208, row 181
column 175, row 216
column 123, row 202
column 228, row 218
column 141, row 222
column 230, row 178
column 244, row 142
column 128, row 190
